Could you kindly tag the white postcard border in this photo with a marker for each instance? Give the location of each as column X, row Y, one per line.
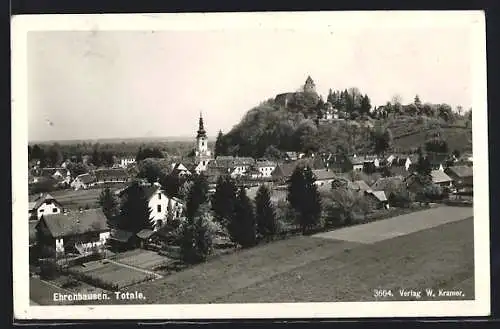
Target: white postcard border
column 319, row 21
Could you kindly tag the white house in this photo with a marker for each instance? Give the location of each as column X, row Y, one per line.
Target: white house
column 180, row 170
column 82, row 181
column 126, row 161
column 265, row 168
column 43, row 204
column 161, row 205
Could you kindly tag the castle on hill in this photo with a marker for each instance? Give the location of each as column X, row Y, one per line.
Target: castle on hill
column 285, row 98
column 289, row 98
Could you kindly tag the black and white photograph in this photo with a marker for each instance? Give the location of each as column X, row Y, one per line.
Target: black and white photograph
column 250, row 165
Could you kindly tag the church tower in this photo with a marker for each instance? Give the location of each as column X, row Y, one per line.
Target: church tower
column 201, row 140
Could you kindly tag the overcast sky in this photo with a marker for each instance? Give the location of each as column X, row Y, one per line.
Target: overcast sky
column 144, row 84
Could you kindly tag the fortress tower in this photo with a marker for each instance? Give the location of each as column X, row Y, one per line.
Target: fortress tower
column 309, row 85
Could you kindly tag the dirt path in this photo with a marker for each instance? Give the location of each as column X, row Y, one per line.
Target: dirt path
column 399, row 226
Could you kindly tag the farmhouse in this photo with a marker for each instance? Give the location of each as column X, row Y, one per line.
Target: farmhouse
column 83, row 181
column 180, row 170
column 440, row 178
column 79, row 232
column 265, row 168
column 377, row 199
column 357, row 163
column 43, row 204
column 103, row 176
column 324, row 177
column 462, row 175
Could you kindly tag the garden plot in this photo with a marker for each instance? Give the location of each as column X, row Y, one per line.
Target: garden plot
column 110, row 275
column 144, row 259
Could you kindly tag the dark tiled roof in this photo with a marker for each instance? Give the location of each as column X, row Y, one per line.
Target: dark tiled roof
column 120, row 235
column 439, row 176
column 51, row 171
column 460, row 171
column 145, row 233
column 360, row 185
column 323, row 174
column 387, row 184
column 102, row 174
column 75, row 223
column 37, row 200
column 149, row 191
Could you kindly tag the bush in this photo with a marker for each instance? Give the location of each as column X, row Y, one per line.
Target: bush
column 434, row 193
column 400, row 199
column 48, row 269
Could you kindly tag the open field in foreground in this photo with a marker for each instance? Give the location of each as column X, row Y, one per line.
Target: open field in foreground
column 312, row 269
column 326, row 269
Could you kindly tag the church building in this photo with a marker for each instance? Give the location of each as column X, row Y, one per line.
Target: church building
column 203, row 155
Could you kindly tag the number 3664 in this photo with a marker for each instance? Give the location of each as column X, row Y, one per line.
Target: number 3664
column 382, row 293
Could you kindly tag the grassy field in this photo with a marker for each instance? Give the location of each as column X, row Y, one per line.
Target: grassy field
column 42, row 292
column 315, row 269
column 318, row 269
column 145, row 259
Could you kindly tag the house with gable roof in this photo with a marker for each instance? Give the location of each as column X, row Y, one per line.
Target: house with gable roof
column 83, row 182
column 43, row 204
column 79, row 232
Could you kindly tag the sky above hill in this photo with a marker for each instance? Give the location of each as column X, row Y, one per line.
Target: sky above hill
column 144, row 84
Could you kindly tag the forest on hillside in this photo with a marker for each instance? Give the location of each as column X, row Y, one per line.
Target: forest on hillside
column 272, row 128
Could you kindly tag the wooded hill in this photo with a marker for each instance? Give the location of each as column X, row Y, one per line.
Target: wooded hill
column 272, row 127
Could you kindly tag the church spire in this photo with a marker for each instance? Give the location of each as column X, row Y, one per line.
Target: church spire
column 201, row 128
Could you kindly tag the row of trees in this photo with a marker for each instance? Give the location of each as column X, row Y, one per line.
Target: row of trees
column 350, row 100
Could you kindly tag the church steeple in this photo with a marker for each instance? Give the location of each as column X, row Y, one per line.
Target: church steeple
column 201, row 128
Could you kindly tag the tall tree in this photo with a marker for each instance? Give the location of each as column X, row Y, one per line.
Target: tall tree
column 150, row 170
column 417, row 102
column 171, row 184
column 242, row 226
column 304, row 197
column 198, row 195
column 365, row 105
column 267, row 225
column 224, row 199
column 219, row 148
column 135, row 211
column 108, row 203
column 196, row 239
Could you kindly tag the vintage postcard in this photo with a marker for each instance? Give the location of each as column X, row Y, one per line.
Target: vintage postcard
column 250, row 165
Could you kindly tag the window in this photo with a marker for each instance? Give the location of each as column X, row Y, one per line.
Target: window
column 158, row 208
column 41, row 210
column 54, row 209
column 159, row 196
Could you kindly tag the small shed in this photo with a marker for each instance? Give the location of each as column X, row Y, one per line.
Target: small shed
column 144, row 236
